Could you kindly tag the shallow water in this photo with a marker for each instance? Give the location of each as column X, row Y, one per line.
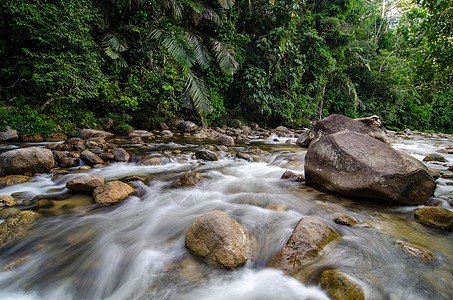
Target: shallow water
column 135, row 249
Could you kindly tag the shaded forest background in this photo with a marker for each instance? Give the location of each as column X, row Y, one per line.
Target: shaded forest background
column 67, row 64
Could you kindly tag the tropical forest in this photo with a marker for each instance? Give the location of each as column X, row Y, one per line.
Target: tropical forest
column 70, row 64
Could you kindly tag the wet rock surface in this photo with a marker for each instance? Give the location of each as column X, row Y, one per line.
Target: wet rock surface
column 85, row 183
column 186, row 180
column 304, row 246
column 112, row 192
column 357, row 165
column 31, row 160
column 340, row 286
column 219, row 240
column 13, row 179
column 14, row 227
column 434, row 216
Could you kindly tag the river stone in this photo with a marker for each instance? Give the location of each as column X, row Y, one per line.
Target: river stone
column 435, row 157
column 112, row 192
column 57, row 137
column 89, row 133
column 340, row 287
column 33, row 138
column 206, row 155
column 85, row 183
column 166, row 133
column 151, row 161
column 13, row 179
column 435, row 216
column 304, row 246
column 140, row 133
column 68, row 162
column 244, row 156
column 219, row 240
column 107, row 156
column 416, row 251
column 345, row 220
column 14, row 227
column 9, row 134
column 187, row 126
column 292, row 176
column 337, row 123
column 90, row 158
column 357, row 165
column 121, row 155
column 31, row 160
column 7, row 200
column 188, row 179
column 225, row 140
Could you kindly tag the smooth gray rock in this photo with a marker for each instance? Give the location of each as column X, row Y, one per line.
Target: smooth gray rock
column 358, row 165
column 26, row 160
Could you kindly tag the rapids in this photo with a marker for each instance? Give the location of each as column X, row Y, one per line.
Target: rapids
column 135, row 249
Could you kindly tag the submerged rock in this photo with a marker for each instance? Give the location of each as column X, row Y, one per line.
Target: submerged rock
column 14, row 227
column 292, row 176
column 340, row 286
column 85, row 183
column 219, row 240
column 151, row 161
column 357, row 165
column 304, row 246
column 26, row 160
column 140, row 133
column 416, row 251
column 435, row 216
column 188, row 179
column 337, row 123
column 13, row 179
column 345, row 220
column 112, row 192
column 7, row 200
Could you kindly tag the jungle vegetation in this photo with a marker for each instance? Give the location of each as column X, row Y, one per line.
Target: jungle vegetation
column 68, row 64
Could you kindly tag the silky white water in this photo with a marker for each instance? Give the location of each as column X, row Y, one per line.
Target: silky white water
column 136, row 249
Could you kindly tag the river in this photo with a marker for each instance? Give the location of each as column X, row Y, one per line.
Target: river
column 135, row 249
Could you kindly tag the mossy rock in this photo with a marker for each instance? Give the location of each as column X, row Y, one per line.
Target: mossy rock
column 15, row 227
column 435, row 216
column 12, row 180
column 341, row 287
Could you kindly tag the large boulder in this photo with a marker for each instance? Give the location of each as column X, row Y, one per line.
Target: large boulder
column 220, row 240
column 14, row 227
column 26, row 160
column 112, row 192
column 206, row 155
column 304, row 246
column 357, row 165
column 336, row 123
column 85, row 183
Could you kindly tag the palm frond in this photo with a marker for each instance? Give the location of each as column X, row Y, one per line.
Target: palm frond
column 227, row 4
column 177, row 46
column 196, row 5
column 201, row 53
column 175, row 6
column 214, row 12
column 196, row 93
column 223, row 55
column 115, row 41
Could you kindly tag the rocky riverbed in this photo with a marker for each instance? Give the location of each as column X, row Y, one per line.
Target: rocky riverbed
column 184, row 213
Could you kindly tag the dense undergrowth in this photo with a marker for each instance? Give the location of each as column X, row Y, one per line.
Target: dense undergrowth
column 69, row 64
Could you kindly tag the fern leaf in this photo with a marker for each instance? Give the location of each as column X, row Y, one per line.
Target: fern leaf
column 177, row 46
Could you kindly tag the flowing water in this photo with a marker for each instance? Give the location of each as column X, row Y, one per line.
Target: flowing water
column 135, row 249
